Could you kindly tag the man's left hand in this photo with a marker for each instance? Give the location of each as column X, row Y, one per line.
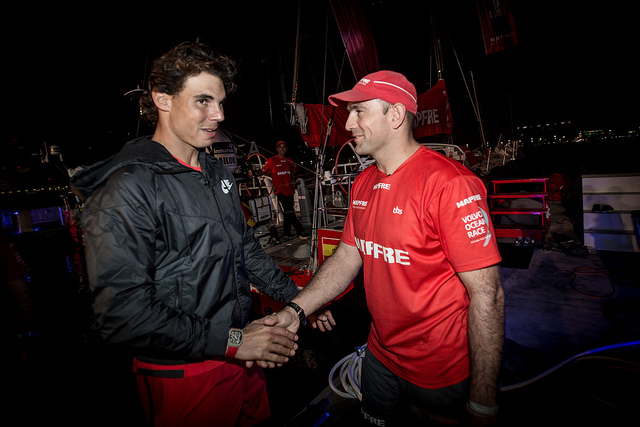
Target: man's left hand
column 321, row 320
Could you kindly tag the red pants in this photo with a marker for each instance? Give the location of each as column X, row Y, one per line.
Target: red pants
column 202, row 394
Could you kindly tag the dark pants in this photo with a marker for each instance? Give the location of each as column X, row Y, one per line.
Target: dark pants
column 388, row 399
column 290, row 218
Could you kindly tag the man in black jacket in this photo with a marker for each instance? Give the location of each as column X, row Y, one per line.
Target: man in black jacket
column 170, row 256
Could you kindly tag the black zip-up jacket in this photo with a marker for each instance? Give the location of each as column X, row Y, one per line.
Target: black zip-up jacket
column 169, row 254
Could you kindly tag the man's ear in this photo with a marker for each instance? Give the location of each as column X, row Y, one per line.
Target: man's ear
column 162, row 100
column 398, row 113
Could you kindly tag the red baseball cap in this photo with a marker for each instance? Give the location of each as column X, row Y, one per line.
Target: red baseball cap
column 279, row 143
column 387, row 85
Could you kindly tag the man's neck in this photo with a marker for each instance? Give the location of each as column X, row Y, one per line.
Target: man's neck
column 396, row 156
column 181, row 151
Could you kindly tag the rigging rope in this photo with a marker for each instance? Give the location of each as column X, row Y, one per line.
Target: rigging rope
column 437, row 48
column 296, row 64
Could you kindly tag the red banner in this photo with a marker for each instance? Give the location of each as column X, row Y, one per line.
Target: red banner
column 434, row 113
column 498, row 25
column 317, row 121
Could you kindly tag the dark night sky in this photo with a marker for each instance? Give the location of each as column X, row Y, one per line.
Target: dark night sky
column 67, row 74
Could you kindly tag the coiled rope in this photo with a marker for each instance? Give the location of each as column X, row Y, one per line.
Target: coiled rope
column 350, row 368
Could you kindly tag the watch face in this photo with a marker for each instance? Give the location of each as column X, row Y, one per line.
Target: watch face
column 235, row 337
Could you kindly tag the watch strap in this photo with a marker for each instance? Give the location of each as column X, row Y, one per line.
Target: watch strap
column 234, row 342
column 299, row 311
column 231, row 352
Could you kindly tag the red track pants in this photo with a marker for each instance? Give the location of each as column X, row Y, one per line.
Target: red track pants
column 202, row 394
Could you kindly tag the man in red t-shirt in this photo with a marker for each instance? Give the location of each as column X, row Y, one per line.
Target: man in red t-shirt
column 419, row 229
column 282, row 169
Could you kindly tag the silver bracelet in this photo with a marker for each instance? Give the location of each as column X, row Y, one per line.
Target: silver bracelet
column 485, row 411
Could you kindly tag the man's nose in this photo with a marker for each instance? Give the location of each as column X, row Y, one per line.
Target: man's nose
column 216, row 114
column 350, row 123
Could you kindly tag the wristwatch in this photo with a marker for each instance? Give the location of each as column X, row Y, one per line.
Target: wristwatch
column 299, row 311
column 234, row 342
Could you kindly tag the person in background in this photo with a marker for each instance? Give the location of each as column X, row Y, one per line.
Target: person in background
column 170, row 256
column 282, row 170
column 17, row 303
column 418, row 228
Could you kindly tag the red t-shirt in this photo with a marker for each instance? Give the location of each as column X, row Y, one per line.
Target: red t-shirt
column 282, row 171
column 415, row 229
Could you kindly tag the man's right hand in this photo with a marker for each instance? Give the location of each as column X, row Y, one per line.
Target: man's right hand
column 269, row 346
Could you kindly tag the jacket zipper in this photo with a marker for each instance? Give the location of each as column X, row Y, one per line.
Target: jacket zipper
column 233, row 249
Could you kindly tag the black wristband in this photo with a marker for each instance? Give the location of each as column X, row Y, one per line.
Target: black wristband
column 299, row 311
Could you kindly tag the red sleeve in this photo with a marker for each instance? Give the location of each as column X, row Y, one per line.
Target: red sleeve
column 465, row 227
column 348, row 231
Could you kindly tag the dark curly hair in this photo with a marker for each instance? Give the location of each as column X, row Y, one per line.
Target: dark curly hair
column 172, row 69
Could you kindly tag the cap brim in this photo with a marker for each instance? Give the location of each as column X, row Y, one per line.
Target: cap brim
column 343, row 98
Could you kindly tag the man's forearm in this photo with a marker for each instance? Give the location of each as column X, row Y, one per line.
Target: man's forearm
column 486, row 336
column 332, row 278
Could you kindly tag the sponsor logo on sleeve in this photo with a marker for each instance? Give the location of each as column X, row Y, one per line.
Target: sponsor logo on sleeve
column 476, row 226
column 465, row 202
